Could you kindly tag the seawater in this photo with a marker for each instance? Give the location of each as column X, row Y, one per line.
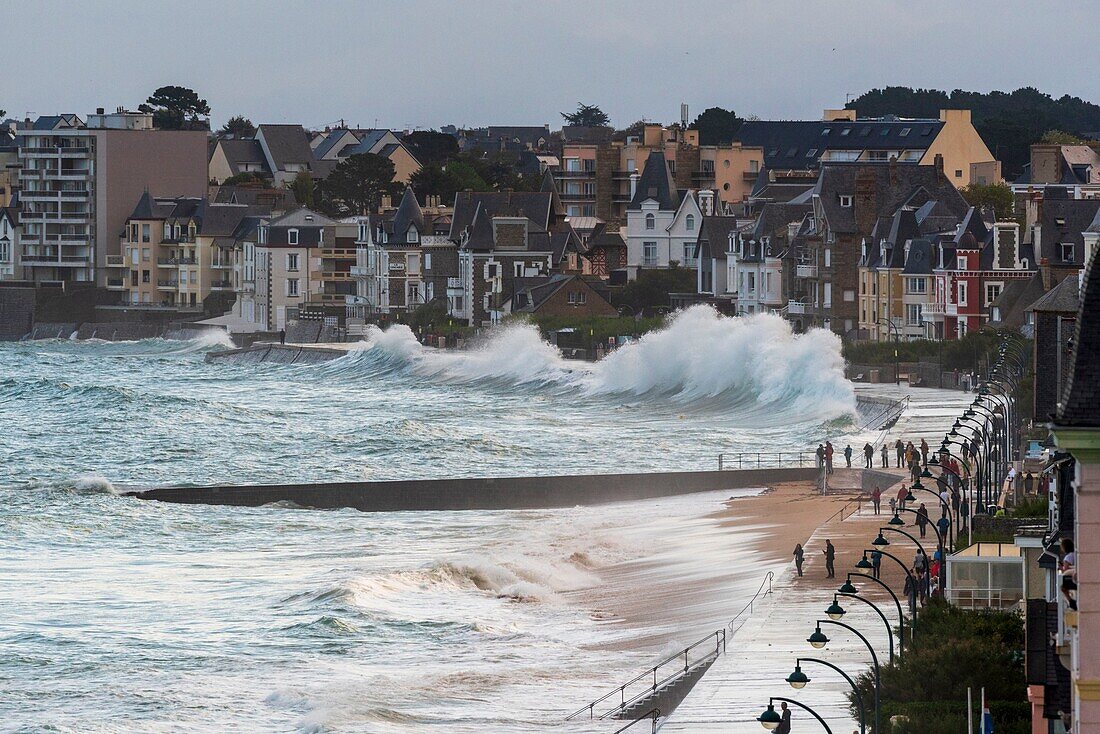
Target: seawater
column 122, row 616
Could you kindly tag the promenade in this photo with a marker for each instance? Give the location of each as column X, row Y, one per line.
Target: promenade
column 762, row 653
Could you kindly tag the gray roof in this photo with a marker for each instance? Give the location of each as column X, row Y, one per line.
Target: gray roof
column 800, row 144
column 534, row 205
column 919, row 259
column 1080, row 404
column 408, row 214
column 894, row 186
column 287, row 144
column 243, row 150
column 1062, row 298
column 1063, row 221
column 1015, row 300
column 656, row 183
column 301, row 217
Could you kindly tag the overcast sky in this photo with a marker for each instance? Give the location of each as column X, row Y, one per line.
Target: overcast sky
column 426, row 63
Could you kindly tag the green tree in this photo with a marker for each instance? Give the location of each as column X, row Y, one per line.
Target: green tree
column 651, row 289
column 302, row 188
column 177, row 108
column 358, row 182
column 3, row 113
column 238, row 126
column 717, row 126
column 998, row 195
column 587, row 116
column 1060, row 137
column 431, row 146
column 248, row 179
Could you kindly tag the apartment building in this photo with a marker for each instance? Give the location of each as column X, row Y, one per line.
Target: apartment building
column 287, row 265
column 80, row 181
column 595, row 178
column 843, row 137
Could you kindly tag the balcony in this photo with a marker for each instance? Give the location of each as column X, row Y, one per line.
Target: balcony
column 221, row 285
column 221, row 266
column 361, row 271
column 805, row 271
column 116, row 284
column 575, row 174
column 750, row 175
column 932, row 311
column 167, row 284
column 796, row 307
column 952, row 309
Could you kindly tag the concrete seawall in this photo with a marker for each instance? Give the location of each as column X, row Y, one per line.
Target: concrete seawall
column 488, row 493
column 278, row 354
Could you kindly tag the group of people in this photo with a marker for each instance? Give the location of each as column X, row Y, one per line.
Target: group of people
column 922, row 580
column 825, row 453
column 830, row 559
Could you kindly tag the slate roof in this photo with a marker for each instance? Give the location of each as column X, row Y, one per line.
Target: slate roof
column 714, row 234
column 408, row 214
column 1080, row 404
column 1064, row 220
column 1062, row 298
column 301, row 217
column 331, row 138
column 919, row 261
column 656, row 183
column 1016, row 299
column 287, row 144
column 894, row 186
column 151, row 207
column 800, row 144
column 241, row 151
column 1080, row 165
column 534, row 205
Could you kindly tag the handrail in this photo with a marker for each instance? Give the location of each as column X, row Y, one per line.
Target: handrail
column 857, row 501
column 652, row 713
column 884, row 417
column 765, row 460
column 719, row 637
column 767, row 580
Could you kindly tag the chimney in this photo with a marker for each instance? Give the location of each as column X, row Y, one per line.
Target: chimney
column 99, row 110
column 866, row 200
column 938, row 163
column 1044, row 272
column 706, row 202
column 894, row 170
column 634, row 184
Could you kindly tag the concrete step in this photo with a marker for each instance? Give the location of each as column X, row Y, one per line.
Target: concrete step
column 667, row 697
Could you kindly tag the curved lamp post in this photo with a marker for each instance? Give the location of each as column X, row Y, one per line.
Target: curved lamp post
column 818, row 640
column 849, row 588
column 835, row 611
column 771, row 719
column 904, row 569
column 943, row 563
column 935, row 529
column 798, row 680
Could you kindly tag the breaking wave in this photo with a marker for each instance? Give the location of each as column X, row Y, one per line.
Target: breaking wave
column 700, row 358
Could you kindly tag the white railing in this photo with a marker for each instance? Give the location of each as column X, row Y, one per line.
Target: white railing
column 931, row 309
column 805, row 271
column 980, row 598
column 796, row 307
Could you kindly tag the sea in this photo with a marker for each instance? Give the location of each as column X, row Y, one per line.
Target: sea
column 119, row 615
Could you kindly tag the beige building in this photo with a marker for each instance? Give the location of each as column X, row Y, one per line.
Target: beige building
column 288, row 266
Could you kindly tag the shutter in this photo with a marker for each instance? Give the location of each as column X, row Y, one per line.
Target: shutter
column 1036, row 648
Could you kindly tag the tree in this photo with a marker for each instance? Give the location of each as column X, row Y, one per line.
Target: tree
column 651, row 289
column 358, row 182
column 587, row 116
column 302, row 188
column 3, row 113
column 445, row 182
column 998, row 195
column 431, row 146
column 177, row 108
column 1061, row 137
column 248, row 179
column 238, row 127
column 717, row 126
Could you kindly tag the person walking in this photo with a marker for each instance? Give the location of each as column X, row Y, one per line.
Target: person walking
column 820, row 455
column 910, row 590
column 830, row 558
column 1029, row 483
column 902, row 494
column 868, row 456
column 784, row 719
column 924, row 451
column 899, row 448
column 876, row 499
column 964, row 515
column 876, row 563
column 828, row 457
column 799, row 557
column 885, row 457
column 848, row 455
column 944, row 525
column 282, row 336
column 914, row 468
column 922, row 519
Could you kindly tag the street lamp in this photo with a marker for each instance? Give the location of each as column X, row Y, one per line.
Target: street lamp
column 905, row 570
column 819, row 640
column 834, row 610
column 849, row 589
column 886, row 622
column 897, row 340
column 798, row 680
column 771, row 719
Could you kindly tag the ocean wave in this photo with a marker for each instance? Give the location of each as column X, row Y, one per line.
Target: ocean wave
column 699, row 359
column 88, row 484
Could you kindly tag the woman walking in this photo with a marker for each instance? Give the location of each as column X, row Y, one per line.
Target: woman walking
column 799, row 556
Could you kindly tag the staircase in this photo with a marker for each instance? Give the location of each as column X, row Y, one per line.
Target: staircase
column 668, row 696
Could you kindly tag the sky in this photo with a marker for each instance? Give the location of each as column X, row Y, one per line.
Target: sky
column 426, row 63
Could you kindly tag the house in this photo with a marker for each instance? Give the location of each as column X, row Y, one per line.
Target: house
column 286, row 153
column 605, row 250
column 11, row 267
column 559, row 295
column 501, row 237
column 235, row 156
column 333, row 146
column 288, row 265
column 843, row 137
column 1074, row 169
column 662, row 222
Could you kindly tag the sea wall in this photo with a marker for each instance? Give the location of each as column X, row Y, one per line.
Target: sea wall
column 276, row 354
column 484, row 493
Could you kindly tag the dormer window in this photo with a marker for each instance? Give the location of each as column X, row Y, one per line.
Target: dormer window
column 650, row 221
column 292, row 236
column 1060, row 222
column 689, row 222
column 413, row 236
column 845, row 201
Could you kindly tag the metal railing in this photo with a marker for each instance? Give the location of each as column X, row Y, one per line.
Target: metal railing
column 886, row 417
column 653, row 714
column 749, row 607
column 759, row 460
column 659, row 675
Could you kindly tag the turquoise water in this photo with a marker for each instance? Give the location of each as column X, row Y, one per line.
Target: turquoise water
column 122, row 616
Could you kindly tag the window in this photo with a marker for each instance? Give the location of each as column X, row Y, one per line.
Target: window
column 145, row 255
column 292, row 262
column 849, row 295
column 1067, row 251
column 960, row 290
column 292, row 236
column 792, row 152
column 845, row 131
column 573, row 165
column 577, row 298
column 916, row 285
column 292, row 287
column 427, row 261
column 825, row 132
column 320, row 236
column 811, row 152
column 864, row 132
column 905, row 132
column 650, row 221
column 689, row 222
column 845, row 201
column 827, row 302
column 1060, row 221
column 689, row 253
column 754, row 166
column 5, row 251
column 958, row 173
column 145, row 276
column 912, row 314
column 828, row 257
column 413, row 236
column 961, row 263
column 649, row 253
column 145, row 235
column 752, row 282
column 631, row 166
column 992, row 292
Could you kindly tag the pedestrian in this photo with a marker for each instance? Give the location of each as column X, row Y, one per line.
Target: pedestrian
column 1029, row 483
column 876, row 562
column 902, row 494
column 885, row 457
column 799, row 556
column 820, row 455
column 910, row 453
column 922, row 519
column 784, row 720
column 829, row 457
column 830, row 558
column 914, row 468
column 899, row 449
column 910, row 590
column 282, row 336
column 868, row 456
column 964, row 515
column 893, row 505
column 925, row 585
column 920, row 561
column 944, row 525
column 924, row 451
column 876, row 499
column 848, row 455
column 945, row 499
